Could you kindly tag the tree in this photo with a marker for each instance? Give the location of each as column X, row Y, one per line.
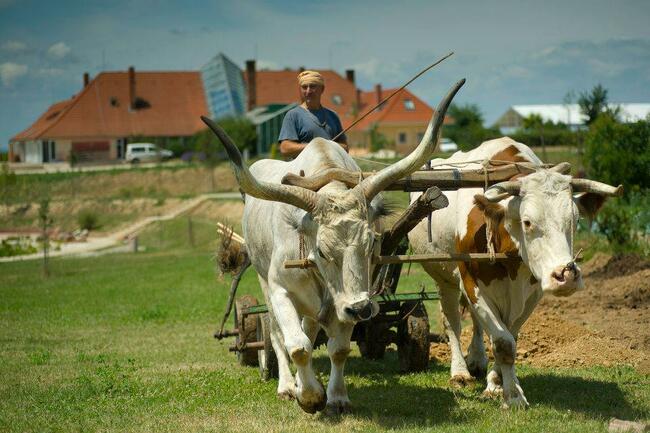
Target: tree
column 594, row 103
column 46, row 222
column 242, row 132
column 467, row 129
column 377, row 139
column 534, row 122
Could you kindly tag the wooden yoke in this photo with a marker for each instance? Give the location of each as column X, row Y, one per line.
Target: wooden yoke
column 445, row 179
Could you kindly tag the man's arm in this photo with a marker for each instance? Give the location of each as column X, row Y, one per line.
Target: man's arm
column 291, row 148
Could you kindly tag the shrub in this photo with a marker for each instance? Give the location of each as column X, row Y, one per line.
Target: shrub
column 88, row 220
column 626, row 224
column 618, row 153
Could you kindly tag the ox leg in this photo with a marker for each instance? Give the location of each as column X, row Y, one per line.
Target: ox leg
column 477, row 361
column 504, row 348
column 338, row 348
column 286, row 385
column 494, row 389
column 449, row 303
column 310, row 393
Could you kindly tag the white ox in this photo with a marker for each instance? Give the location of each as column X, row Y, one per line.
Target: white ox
column 336, row 227
column 533, row 216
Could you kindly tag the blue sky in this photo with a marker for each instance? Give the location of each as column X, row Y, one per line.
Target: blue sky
column 511, row 52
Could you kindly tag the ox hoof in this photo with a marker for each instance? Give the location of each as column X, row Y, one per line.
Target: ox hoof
column 338, row 407
column 286, row 395
column 492, row 393
column 516, row 403
column 312, row 401
column 312, row 407
column 461, row 380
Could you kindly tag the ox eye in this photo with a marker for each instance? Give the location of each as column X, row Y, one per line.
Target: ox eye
column 527, row 224
column 320, row 253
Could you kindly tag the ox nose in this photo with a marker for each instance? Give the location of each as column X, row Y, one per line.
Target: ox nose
column 361, row 310
column 565, row 278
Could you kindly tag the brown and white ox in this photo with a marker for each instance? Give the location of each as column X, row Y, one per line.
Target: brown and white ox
column 533, row 216
column 335, row 225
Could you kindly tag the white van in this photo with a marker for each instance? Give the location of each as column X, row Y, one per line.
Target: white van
column 145, row 152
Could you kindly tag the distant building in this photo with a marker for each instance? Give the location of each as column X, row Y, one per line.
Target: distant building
column 224, row 87
column 569, row 114
column 402, row 120
column 96, row 123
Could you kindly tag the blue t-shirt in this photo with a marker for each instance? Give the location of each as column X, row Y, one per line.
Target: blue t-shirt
column 302, row 126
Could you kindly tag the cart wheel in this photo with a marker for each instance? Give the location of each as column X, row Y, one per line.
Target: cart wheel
column 413, row 338
column 371, row 340
column 247, row 327
column 267, row 361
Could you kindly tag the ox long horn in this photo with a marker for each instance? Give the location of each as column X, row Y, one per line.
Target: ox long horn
column 502, row 190
column 293, row 195
column 378, row 182
column 588, row 185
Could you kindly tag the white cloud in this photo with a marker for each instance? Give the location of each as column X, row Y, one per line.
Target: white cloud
column 10, row 71
column 58, row 51
column 266, row 64
column 14, row 46
column 51, row 72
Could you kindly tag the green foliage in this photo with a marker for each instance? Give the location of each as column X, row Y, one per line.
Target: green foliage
column 8, row 181
column 241, row 130
column 537, row 132
column 467, row 130
column 378, row 140
column 16, row 246
column 626, row 224
column 88, row 219
column 618, row 153
column 594, row 103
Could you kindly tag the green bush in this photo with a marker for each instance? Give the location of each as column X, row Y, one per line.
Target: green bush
column 618, row 153
column 467, row 130
column 626, row 223
column 88, row 220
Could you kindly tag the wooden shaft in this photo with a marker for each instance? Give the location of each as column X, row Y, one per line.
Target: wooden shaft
column 416, row 258
column 431, row 200
column 453, row 257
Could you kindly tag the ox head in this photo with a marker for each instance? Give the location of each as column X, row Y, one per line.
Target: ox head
column 540, row 214
column 340, row 222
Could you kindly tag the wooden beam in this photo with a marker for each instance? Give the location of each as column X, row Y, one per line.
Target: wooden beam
column 446, row 179
column 454, row 257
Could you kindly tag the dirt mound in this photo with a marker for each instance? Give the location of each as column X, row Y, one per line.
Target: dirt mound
column 606, row 324
column 621, row 264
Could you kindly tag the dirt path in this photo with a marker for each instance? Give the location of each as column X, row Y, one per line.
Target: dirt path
column 118, row 238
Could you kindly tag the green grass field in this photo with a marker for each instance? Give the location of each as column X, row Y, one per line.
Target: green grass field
column 124, row 343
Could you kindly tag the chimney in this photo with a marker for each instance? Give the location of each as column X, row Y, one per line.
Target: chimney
column 131, row 87
column 86, row 79
column 378, row 93
column 349, row 75
column 251, row 84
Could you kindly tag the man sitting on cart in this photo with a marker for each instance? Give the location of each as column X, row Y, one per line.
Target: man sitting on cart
column 310, row 119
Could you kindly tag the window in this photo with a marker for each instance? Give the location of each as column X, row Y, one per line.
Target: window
column 409, row 105
column 336, row 99
column 401, row 137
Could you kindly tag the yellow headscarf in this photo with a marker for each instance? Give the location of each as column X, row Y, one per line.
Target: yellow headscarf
column 310, row 77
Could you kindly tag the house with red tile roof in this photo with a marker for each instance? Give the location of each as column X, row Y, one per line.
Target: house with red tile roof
column 96, row 123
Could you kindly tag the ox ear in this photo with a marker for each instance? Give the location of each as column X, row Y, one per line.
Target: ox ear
column 589, row 203
column 492, row 211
